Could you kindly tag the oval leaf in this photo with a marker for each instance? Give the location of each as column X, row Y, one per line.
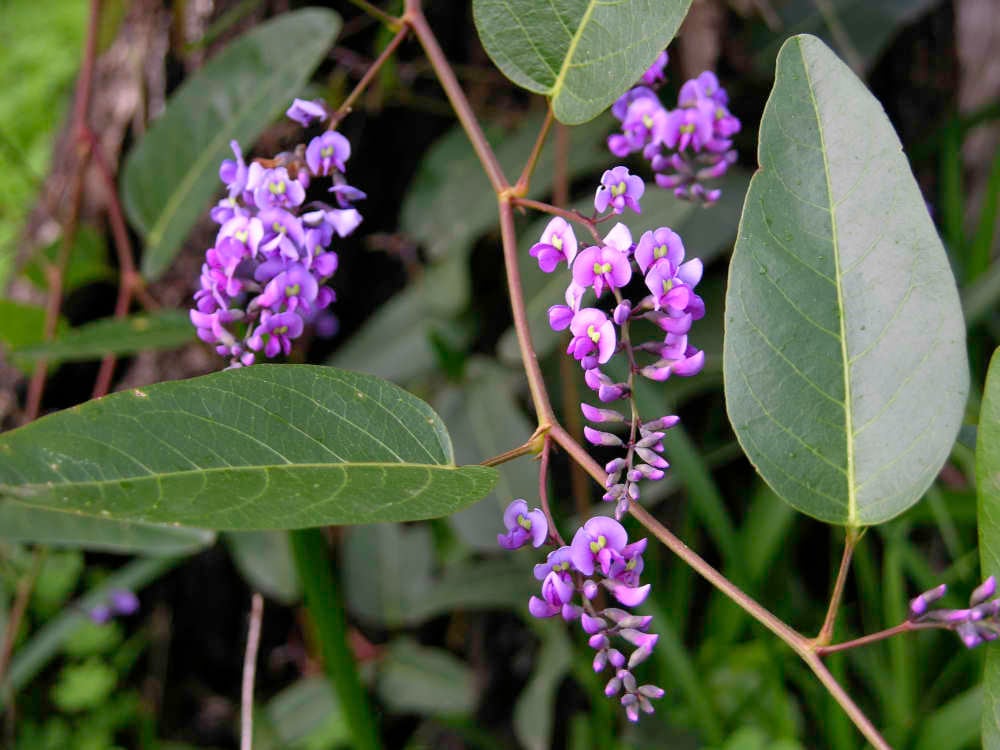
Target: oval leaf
column 844, row 355
column 172, row 174
column 988, row 488
column 264, row 447
column 583, row 54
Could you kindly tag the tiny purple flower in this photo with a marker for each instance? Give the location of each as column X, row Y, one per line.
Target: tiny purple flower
column 620, row 190
column 327, row 152
column 523, row 526
column 657, row 244
column 558, row 243
column 599, row 540
column 655, row 73
column 592, row 332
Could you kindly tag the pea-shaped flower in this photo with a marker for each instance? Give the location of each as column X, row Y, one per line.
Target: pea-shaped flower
column 523, row 525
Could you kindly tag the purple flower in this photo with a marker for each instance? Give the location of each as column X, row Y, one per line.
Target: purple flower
column 304, row 112
column 292, row 288
column 607, row 265
column 556, row 575
column 622, row 104
column 523, row 526
column 620, row 190
column 689, row 126
column 234, row 173
column 275, row 332
column 593, row 337
column 655, row 73
column 119, row 602
column 275, row 189
column 558, row 243
column 657, row 244
column 328, row 152
column 599, row 541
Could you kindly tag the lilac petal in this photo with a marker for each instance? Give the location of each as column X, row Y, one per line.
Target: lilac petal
column 630, row 597
column 518, row 507
column 539, row 527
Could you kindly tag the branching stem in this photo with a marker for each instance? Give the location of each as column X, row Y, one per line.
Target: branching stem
column 523, row 182
column 345, row 108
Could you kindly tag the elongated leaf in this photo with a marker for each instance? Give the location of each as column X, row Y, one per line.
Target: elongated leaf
column 171, row 175
column 20, row 523
column 988, row 488
column 583, row 54
column 845, row 362
column 267, row 446
column 22, row 324
column 167, row 329
column 264, row 559
column 534, row 712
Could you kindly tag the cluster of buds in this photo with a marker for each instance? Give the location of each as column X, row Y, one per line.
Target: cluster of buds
column 975, row 625
column 599, row 556
column 671, row 305
column 263, row 279
column 685, row 146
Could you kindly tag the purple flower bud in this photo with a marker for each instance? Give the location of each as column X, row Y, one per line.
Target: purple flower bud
column 622, row 312
column 655, row 73
column 615, row 465
column 100, row 614
column 597, row 437
column 123, row 602
column 594, row 414
column 616, row 657
column 613, row 687
column 589, row 589
column 304, row 112
column 920, row 604
column 984, row 591
column 592, row 625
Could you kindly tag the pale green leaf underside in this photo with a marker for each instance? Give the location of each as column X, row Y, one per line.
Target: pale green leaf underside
column 988, row 488
column 288, row 446
column 583, row 54
column 172, row 174
column 844, row 355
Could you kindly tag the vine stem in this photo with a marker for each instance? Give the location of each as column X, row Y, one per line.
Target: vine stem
column 324, row 603
column 21, row 599
column 567, row 213
column 506, row 200
column 826, row 632
column 521, row 187
column 345, row 108
column 543, row 491
column 377, row 13
column 904, row 627
column 414, row 16
column 36, row 386
column 250, row 672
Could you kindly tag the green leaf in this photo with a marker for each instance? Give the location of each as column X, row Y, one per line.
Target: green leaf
column 387, row 571
column 264, row 559
column 953, row 725
column 988, row 487
column 84, row 686
column 306, row 714
column 418, row 679
column 167, row 329
column 844, row 356
column 88, row 262
column 22, row 325
column 21, row 523
column 172, row 174
column 582, row 54
column 268, row 446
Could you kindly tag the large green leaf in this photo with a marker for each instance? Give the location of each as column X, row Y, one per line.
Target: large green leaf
column 20, row 523
column 171, row 175
column 167, row 329
column 583, row 54
column 845, row 362
column 988, row 486
column 420, row 679
column 268, row 446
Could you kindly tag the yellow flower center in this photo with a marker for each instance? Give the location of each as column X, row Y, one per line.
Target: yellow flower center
column 598, row 544
column 660, row 251
column 593, row 334
column 618, row 189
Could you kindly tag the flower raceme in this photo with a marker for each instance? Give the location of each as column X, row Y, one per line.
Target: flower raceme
column 264, row 279
column 685, row 146
column 600, row 556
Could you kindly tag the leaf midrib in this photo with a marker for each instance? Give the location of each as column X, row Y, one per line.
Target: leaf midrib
column 852, row 501
column 571, row 50
column 52, row 485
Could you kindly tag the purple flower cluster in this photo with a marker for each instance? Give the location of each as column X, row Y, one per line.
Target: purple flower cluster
column 263, row 280
column 671, row 305
column 686, row 145
column 977, row 624
column 600, row 555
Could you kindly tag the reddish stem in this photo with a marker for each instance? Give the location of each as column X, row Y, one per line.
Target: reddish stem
column 345, row 108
